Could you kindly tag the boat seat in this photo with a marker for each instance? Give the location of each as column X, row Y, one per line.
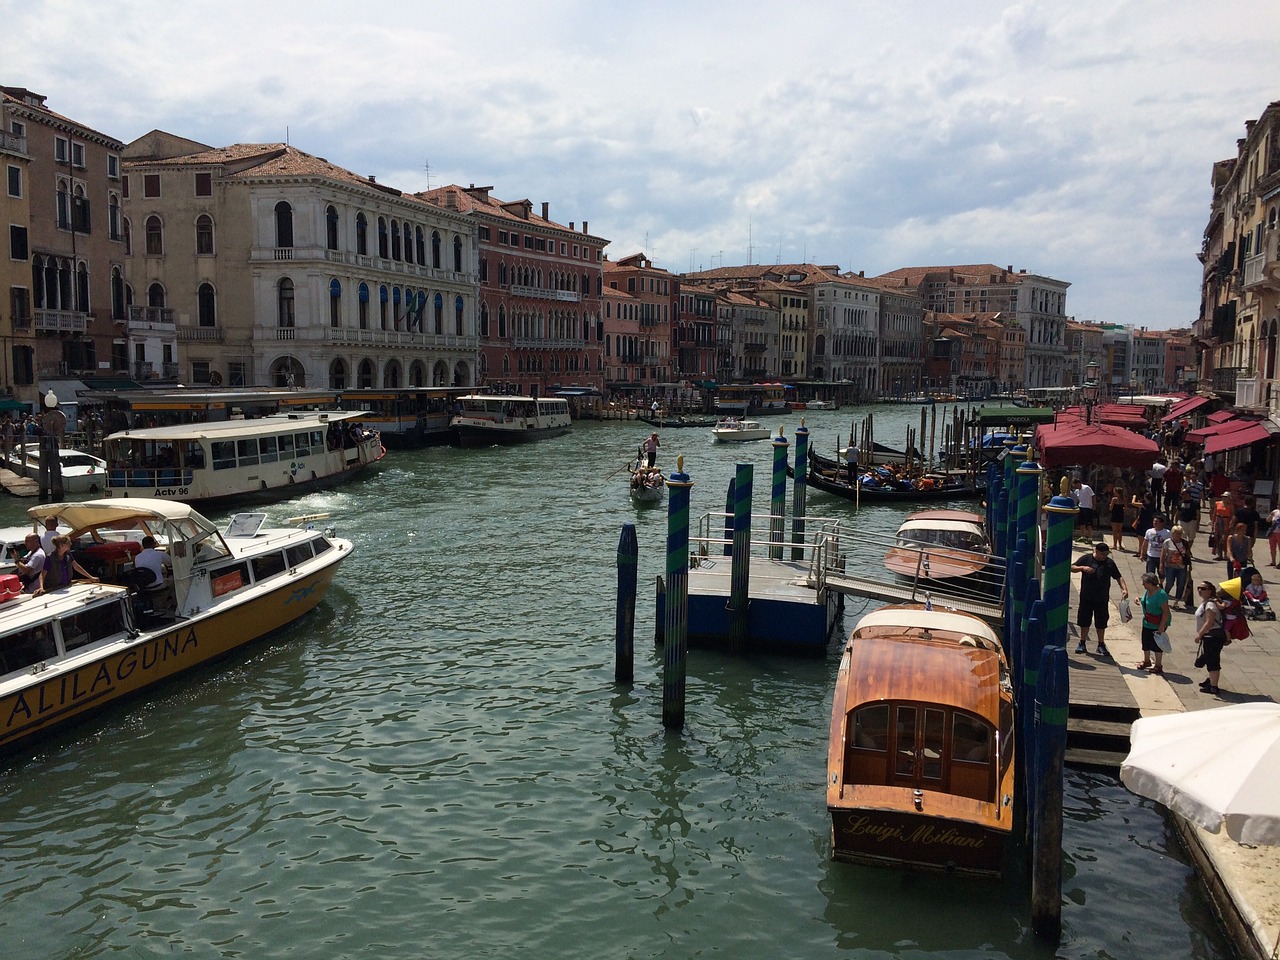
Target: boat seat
column 168, row 478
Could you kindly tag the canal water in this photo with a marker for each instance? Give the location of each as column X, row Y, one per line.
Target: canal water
column 437, row 763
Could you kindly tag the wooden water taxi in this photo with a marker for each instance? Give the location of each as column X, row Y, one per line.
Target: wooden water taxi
column 733, row 430
column 948, row 548
column 270, row 458
column 920, row 755
column 488, row 419
column 71, row 651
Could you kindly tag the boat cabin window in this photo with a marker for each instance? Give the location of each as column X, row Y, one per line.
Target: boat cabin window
column 970, row 740
column 267, row 565
column 90, row 626
column 192, row 454
column 322, row 545
column 25, row 648
column 957, row 539
column 267, row 450
column 224, row 454
column 871, row 728
column 299, row 553
column 228, row 579
column 286, row 446
column 247, row 452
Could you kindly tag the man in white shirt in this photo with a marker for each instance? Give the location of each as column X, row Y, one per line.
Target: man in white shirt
column 149, row 558
column 1084, row 500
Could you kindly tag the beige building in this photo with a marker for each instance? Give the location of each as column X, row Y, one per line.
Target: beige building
column 64, row 277
column 1238, row 329
column 269, row 266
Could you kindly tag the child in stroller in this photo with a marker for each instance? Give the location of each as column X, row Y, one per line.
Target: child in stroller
column 1254, row 599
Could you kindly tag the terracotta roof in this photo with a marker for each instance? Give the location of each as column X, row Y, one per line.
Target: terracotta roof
column 475, row 199
column 21, row 103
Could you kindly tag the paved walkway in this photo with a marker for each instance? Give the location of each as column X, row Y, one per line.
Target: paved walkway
column 1245, row 880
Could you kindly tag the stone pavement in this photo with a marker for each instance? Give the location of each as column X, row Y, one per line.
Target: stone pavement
column 1244, row 880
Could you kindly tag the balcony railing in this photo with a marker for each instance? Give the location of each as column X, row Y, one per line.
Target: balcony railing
column 1247, row 392
column 568, row 296
column 200, row 334
column 550, row 343
column 13, row 143
column 61, row 321
column 1224, row 380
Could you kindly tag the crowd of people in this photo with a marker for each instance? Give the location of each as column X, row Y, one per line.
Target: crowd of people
column 1167, row 509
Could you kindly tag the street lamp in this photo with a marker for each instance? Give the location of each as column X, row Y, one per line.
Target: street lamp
column 1133, row 384
column 1090, row 390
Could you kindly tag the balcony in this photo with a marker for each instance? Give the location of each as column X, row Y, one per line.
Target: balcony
column 538, row 293
column 1224, row 380
column 151, row 320
column 11, row 143
column 200, row 334
column 549, row 343
column 61, row 321
column 409, row 339
column 1247, row 391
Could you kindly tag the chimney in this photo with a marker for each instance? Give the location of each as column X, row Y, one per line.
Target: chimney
column 1010, row 268
column 372, row 178
column 584, row 227
column 546, row 210
column 570, row 224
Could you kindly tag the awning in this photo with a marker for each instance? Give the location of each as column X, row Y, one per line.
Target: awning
column 67, row 391
column 1184, row 407
column 8, row 403
column 1223, row 427
column 1220, row 416
column 1014, row 416
column 1235, row 439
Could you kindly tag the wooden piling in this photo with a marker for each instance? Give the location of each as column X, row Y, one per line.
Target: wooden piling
column 778, row 498
column 739, row 605
column 1052, row 704
column 624, row 622
column 675, row 650
column 798, row 491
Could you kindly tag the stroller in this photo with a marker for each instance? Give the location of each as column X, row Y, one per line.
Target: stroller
column 1256, row 605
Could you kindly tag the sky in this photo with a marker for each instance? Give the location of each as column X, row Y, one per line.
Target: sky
column 1073, row 140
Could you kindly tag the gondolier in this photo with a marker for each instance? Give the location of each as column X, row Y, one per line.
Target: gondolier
column 650, row 449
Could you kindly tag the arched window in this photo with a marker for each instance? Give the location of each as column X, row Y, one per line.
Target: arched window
column 284, row 303
column 82, row 287
column 417, row 374
column 391, row 376
column 408, row 243
column 335, row 303
column 396, row 316
column 206, row 306
column 439, row 313
column 364, row 378
column 395, row 240
column 383, row 247
column 204, row 235
column 155, row 237
column 113, row 217
column 420, row 244
column 284, row 224
column 117, row 295
column 435, row 249
column 502, row 274
column 362, row 235
column 457, row 315
column 502, row 322
column 382, row 307
column 331, row 228
column 457, row 254
column 484, row 320
column 155, row 296
column 364, row 306
column 337, row 375
column 64, row 205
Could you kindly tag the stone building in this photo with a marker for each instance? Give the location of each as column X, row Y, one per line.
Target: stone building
column 638, row 327
column 270, row 266
column 541, row 283
column 63, row 278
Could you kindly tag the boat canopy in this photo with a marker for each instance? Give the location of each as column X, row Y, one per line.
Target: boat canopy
column 91, row 513
column 927, row 671
column 899, row 620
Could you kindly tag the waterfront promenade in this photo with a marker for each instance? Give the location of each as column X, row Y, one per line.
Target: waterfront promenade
column 1244, row 881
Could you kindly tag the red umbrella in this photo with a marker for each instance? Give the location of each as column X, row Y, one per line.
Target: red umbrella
column 1070, row 443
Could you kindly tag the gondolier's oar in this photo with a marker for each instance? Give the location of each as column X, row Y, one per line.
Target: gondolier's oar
column 614, row 473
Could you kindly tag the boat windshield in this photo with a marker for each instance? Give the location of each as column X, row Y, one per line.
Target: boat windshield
column 956, row 539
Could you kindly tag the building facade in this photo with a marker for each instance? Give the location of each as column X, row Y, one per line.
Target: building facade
column 64, row 282
column 274, row 267
column 541, row 283
column 638, row 335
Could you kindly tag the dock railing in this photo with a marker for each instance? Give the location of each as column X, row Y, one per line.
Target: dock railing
column 819, row 545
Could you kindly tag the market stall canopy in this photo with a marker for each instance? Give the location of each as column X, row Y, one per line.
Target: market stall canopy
column 1184, row 408
column 1072, row 442
column 1235, row 439
column 1221, row 428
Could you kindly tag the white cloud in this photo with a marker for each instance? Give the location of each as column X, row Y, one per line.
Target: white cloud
column 1075, row 140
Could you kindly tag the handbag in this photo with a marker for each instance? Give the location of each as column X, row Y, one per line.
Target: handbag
column 1162, row 641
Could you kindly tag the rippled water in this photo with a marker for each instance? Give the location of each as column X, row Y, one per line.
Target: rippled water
column 437, row 763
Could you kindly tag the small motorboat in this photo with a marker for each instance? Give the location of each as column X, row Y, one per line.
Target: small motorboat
column 734, row 430
column 820, row 405
column 947, row 548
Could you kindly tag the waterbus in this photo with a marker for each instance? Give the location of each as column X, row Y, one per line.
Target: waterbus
column 407, row 416
column 743, row 398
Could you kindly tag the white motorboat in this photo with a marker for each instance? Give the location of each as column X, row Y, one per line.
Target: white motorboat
column 735, row 430
column 81, row 472
column 283, row 455
column 488, row 419
column 74, row 650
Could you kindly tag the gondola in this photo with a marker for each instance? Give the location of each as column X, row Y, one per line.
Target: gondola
column 835, row 477
column 678, row 422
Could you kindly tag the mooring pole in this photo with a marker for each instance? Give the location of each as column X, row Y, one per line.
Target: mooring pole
column 740, row 568
column 798, row 491
column 778, row 502
column 624, row 621
column 1052, row 705
column 676, row 628
column 730, row 498
column 1024, row 698
column 1061, row 513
